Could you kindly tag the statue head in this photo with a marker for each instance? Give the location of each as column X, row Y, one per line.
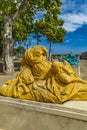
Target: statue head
column 34, row 54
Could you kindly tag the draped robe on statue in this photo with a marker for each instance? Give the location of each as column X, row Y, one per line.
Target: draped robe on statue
column 41, row 80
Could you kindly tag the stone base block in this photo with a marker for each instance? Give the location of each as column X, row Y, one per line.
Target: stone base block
column 17, row 114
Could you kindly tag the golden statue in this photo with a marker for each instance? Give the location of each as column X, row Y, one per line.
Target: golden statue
column 41, row 80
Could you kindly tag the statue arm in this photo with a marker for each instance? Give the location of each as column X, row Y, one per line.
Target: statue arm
column 64, row 72
column 25, row 75
column 66, row 78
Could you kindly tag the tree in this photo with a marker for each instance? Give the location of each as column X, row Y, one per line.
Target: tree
column 19, row 51
column 1, row 45
column 17, row 18
column 36, row 31
column 37, row 35
column 51, row 26
column 1, row 49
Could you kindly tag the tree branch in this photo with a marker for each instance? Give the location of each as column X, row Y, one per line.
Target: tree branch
column 19, row 12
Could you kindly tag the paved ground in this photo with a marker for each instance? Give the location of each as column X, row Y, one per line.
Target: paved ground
column 3, row 78
column 83, row 69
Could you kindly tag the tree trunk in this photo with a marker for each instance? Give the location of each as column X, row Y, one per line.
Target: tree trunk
column 8, row 43
column 50, row 49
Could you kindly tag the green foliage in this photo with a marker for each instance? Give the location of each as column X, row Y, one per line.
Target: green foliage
column 8, row 6
column 52, row 29
column 22, row 13
column 19, row 51
column 50, row 25
column 21, row 30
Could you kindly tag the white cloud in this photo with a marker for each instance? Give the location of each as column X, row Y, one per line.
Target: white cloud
column 74, row 21
column 68, row 40
column 74, row 6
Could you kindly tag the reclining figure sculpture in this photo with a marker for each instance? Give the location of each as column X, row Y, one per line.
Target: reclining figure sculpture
column 41, row 80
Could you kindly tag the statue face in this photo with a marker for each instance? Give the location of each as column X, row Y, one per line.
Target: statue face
column 36, row 54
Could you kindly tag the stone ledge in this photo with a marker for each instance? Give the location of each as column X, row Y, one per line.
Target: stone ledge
column 71, row 109
column 76, row 69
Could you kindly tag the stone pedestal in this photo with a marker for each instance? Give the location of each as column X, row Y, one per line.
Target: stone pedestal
column 76, row 69
column 17, row 114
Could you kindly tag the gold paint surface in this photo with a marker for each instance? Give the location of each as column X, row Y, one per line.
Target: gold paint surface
column 41, row 80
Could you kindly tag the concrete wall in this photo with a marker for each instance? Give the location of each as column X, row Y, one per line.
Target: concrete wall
column 17, row 114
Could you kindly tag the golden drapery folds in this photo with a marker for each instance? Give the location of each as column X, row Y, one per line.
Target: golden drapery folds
column 41, row 80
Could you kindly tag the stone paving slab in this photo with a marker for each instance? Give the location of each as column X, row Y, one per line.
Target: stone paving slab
column 4, row 78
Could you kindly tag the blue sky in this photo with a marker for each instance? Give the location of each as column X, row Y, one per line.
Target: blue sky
column 74, row 13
